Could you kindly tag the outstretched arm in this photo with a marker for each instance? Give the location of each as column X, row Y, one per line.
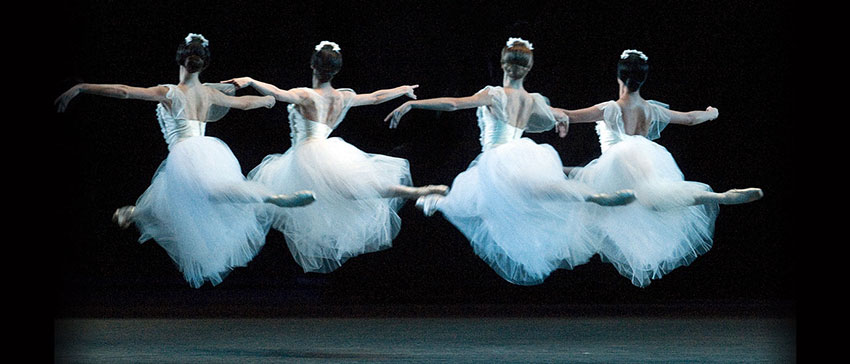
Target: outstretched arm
column 287, row 96
column 692, row 117
column 441, row 104
column 156, row 93
column 381, row 96
column 567, row 117
column 587, row 115
column 242, row 102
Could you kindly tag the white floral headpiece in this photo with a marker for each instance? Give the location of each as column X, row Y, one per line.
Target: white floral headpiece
column 633, row 51
column 512, row 41
column 324, row 43
column 191, row 36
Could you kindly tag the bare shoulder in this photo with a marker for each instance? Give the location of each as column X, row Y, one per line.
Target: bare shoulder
column 337, row 96
column 518, row 94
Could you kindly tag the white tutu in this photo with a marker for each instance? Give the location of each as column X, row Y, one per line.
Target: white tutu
column 350, row 216
column 202, row 211
column 660, row 232
column 519, row 211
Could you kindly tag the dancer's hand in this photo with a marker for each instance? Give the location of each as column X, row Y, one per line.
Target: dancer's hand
column 712, row 112
column 560, row 115
column 395, row 116
column 240, row 82
column 270, row 101
column 562, row 121
column 65, row 98
column 409, row 91
column 561, row 129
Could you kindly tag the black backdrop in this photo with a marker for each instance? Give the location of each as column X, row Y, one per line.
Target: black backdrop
column 728, row 54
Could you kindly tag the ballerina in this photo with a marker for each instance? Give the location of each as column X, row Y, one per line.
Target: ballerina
column 358, row 194
column 199, row 207
column 673, row 221
column 514, row 203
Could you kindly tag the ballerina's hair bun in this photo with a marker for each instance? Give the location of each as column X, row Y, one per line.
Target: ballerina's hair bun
column 633, row 69
column 326, row 60
column 194, row 64
column 194, row 53
column 517, row 57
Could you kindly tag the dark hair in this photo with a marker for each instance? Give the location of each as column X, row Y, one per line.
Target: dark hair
column 517, row 60
column 326, row 62
column 193, row 55
column 632, row 70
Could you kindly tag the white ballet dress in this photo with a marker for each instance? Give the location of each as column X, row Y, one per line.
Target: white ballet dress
column 514, row 203
column 200, row 207
column 663, row 230
column 350, row 215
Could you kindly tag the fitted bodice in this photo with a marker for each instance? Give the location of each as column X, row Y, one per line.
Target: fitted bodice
column 176, row 129
column 301, row 128
column 493, row 119
column 611, row 129
column 174, row 123
column 495, row 132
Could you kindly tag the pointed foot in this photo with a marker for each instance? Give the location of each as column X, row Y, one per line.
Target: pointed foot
column 124, row 216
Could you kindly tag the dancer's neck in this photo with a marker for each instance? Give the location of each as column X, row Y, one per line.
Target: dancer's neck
column 319, row 85
column 187, row 78
column 629, row 97
column 508, row 82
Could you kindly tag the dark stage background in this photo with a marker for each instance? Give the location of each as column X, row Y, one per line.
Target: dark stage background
column 727, row 54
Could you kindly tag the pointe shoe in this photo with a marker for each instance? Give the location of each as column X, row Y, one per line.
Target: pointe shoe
column 124, row 216
column 428, row 203
column 300, row 198
column 618, row 198
column 740, row 196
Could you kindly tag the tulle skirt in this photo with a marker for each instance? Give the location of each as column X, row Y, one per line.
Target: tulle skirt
column 663, row 230
column 202, row 211
column 350, row 215
column 519, row 212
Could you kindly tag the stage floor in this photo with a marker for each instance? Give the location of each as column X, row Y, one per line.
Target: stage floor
column 422, row 340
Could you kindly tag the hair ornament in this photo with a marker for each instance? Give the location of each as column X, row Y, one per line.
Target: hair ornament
column 191, row 36
column 512, row 41
column 328, row 43
column 640, row 54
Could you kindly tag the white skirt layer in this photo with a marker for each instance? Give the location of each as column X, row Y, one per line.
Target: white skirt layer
column 202, row 211
column 663, row 230
column 350, row 216
column 519, row 212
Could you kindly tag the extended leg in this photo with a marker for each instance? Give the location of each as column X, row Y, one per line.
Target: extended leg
column 619, row 198
column 414, row 192
column 250, row 193
column 562, row 191
column 730, row 197
column 300, row 198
